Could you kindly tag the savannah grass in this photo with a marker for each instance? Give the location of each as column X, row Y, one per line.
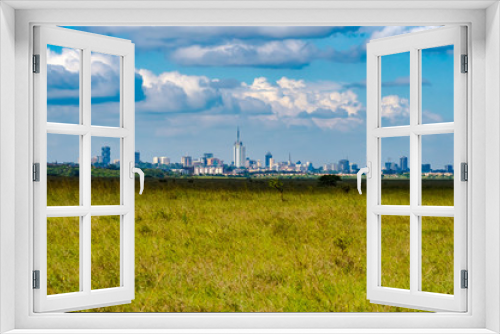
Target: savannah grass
column 233, row 245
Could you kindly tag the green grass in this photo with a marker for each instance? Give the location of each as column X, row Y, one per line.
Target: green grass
column 222, row 245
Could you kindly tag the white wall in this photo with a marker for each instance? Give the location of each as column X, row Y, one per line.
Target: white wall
column 7, row 158
column 492, row 162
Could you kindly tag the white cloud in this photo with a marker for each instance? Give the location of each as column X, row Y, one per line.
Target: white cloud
column 68, row 58
column 395, row 109
column 289, row 97
column 287, row 53
column 176, row 92
column 398, row 30
column 430, row 117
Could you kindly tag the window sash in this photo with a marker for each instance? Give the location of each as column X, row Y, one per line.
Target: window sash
column 413, row 43
column 86, row 298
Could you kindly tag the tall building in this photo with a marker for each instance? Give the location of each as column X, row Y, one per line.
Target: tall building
column 354, row 168
column 164, row 161
column 403, row 163
column 137, row 157
column 344, row 166
column 448, row 168
column 239, row 152
column 426, row 168
column 269, row 157
column 106, row 155
column 186, row 161
column 155, row 160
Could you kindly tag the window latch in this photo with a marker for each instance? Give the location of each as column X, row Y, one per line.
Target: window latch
column 366, row 170
column 134, row 170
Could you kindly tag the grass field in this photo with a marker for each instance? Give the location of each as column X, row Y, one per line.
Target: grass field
column 219, row 245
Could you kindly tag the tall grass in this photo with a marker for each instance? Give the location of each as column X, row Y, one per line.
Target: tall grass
column 208, row 245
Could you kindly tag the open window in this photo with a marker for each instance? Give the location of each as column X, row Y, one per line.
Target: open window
column 412, row 216
column 99, row 229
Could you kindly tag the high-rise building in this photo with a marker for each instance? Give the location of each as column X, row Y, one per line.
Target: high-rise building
column 186, row 161
column 354, row 168
column 106, row 155
column 164, row 161
column 403, row 163
column 239, row 152
column 426, row 168
column 155, row 160
column 137, row 157
column 269, row 156
column 344, row 166
column 448, row 168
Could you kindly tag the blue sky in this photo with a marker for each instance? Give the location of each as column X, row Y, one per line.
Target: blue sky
column 298, row 90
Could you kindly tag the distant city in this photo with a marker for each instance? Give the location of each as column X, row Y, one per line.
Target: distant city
column 208, row 164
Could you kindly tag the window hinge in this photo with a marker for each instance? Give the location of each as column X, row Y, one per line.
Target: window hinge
column 36, row 63
column 465, row 64
column 36, row 172
column 36, row 279
column 465, row 279
column 464, row 171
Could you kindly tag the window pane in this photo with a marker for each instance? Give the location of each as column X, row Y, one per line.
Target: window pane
column 395, row 90
column 105, row 171
column 437, row 170
column 63, row 255
column 396, row 251
column 105, row 80
column 395, row 171
column 105, row 252
column 437, row 254
column 63, row 84
column 437, row 84
column 63, row 182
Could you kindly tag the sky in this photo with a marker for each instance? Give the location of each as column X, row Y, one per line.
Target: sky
column 290, row 90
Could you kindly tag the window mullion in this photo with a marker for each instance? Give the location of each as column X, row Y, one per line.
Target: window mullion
column 414, row 171
column 85, row 174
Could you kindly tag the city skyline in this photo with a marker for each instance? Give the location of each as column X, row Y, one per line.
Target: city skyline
column 290, row 89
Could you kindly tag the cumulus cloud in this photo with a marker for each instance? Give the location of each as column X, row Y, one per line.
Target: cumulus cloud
column 289, row 53
column 176, row 92
column 395, row 109
column 63, row 77
column 289, row 101
column 275, row 54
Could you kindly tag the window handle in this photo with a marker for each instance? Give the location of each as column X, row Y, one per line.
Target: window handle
column 134, row 170
column 367, row 171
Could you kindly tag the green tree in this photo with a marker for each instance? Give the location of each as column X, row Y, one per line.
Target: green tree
column 278, row 185
column 329, row 180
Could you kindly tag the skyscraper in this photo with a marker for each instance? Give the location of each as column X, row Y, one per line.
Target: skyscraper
column 344, row 166
column 106, row 155
column 137, row 157
column 269, row 156
column 403, row 163
column 186, row 161
column 239, row 151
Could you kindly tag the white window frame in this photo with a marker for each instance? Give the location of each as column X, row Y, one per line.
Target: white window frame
column 85, row 297
column 484, row 308
column 413, row 44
